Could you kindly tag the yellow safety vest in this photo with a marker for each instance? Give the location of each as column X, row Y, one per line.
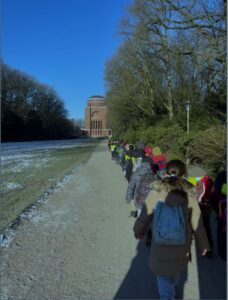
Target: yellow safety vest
column 194, row 180
column 112, row 147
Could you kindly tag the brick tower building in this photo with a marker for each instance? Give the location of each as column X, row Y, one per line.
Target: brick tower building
column 95, row 117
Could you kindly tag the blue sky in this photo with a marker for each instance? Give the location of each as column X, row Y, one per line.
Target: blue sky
column 63, row 43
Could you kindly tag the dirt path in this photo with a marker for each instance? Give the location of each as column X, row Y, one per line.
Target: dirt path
column 80, row 245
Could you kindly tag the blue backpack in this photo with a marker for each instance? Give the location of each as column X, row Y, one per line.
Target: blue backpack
column 168, row 225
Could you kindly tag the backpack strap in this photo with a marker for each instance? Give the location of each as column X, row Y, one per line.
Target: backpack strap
column 200, row 190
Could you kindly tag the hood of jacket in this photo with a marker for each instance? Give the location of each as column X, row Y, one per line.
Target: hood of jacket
column 176, row 190
column 144, row 168
column 176, row 198
column 139, row 145
column 138, row 153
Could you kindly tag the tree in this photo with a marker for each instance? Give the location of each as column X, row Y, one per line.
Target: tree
column 31, row 110
column 172, row 51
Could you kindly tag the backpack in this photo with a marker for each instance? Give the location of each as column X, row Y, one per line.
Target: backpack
column 168, row 225
column 128, row 169
column 136, row 163
column 222, row 207
column 161, row 161
column 143, row 188
column 203, row 191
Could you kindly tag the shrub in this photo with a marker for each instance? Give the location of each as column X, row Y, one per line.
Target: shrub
column 183, row 143
column 131, row 136
column 147, row 136
column 210, row 145
column 164, row 137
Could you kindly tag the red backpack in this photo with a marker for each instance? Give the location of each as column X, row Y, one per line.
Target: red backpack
column 161, row 161
column 203, row 191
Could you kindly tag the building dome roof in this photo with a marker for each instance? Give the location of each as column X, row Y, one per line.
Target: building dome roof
column 96, row 101
column 96, row 96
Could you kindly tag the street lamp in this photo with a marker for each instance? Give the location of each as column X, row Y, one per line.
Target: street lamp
column 187, row 147
column 187, row 109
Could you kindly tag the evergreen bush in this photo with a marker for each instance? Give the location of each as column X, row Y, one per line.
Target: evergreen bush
column 131, row 136
column 210, row 145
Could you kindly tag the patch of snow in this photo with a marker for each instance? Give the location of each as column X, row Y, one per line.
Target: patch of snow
column 6, row 239
column 18, row 163
column 11, row 186
column 29, row 213
column 12, row 155
column 39, row 218
column 21, row 166
column 15, row 147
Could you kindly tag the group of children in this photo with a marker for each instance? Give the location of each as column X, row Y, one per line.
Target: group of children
column 151, row 177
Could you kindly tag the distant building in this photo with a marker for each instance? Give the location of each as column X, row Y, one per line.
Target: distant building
column 95, row 117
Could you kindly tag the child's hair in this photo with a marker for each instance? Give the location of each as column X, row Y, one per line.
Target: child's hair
column 176, row 168
column 196, row 161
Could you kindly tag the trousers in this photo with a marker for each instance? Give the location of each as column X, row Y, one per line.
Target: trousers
column 167, row 286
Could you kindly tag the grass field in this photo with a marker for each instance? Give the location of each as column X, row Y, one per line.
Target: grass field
column 26, row 180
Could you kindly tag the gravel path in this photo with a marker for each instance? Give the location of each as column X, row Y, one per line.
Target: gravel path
column 80, row 245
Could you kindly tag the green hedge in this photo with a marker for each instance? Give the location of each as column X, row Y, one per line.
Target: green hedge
column 209, row 144
column 131, row 136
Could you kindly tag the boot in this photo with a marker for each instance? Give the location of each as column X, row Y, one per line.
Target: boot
column 133, row 214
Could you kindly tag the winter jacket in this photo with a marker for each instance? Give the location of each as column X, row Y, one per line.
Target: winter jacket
column 149, row 159
column 133, row 160
column 128, row 154
column 204, row 184
column 134, row 191
column 112, row 147
column 138, row 153
column 171, row 260
column 128, row 164
column 219, row 195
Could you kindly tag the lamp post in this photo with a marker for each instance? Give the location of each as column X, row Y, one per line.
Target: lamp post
column 90, row 121
column 187, row 148
column 187, row 109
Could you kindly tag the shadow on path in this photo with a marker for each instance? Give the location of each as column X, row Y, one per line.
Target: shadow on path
column 140, row 282
column 212, row 272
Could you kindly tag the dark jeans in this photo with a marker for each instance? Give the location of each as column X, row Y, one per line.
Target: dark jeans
column 167, row 286
column 207, row 225
column 221, row 239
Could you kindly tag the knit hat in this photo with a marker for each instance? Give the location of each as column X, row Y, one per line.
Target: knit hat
column 195, row 171
column 139, row 145
column 148, row 150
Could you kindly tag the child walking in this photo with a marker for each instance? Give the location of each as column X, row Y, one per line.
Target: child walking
column 167, row 261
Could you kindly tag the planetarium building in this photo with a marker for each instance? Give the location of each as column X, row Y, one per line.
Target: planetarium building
column 95, row 117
